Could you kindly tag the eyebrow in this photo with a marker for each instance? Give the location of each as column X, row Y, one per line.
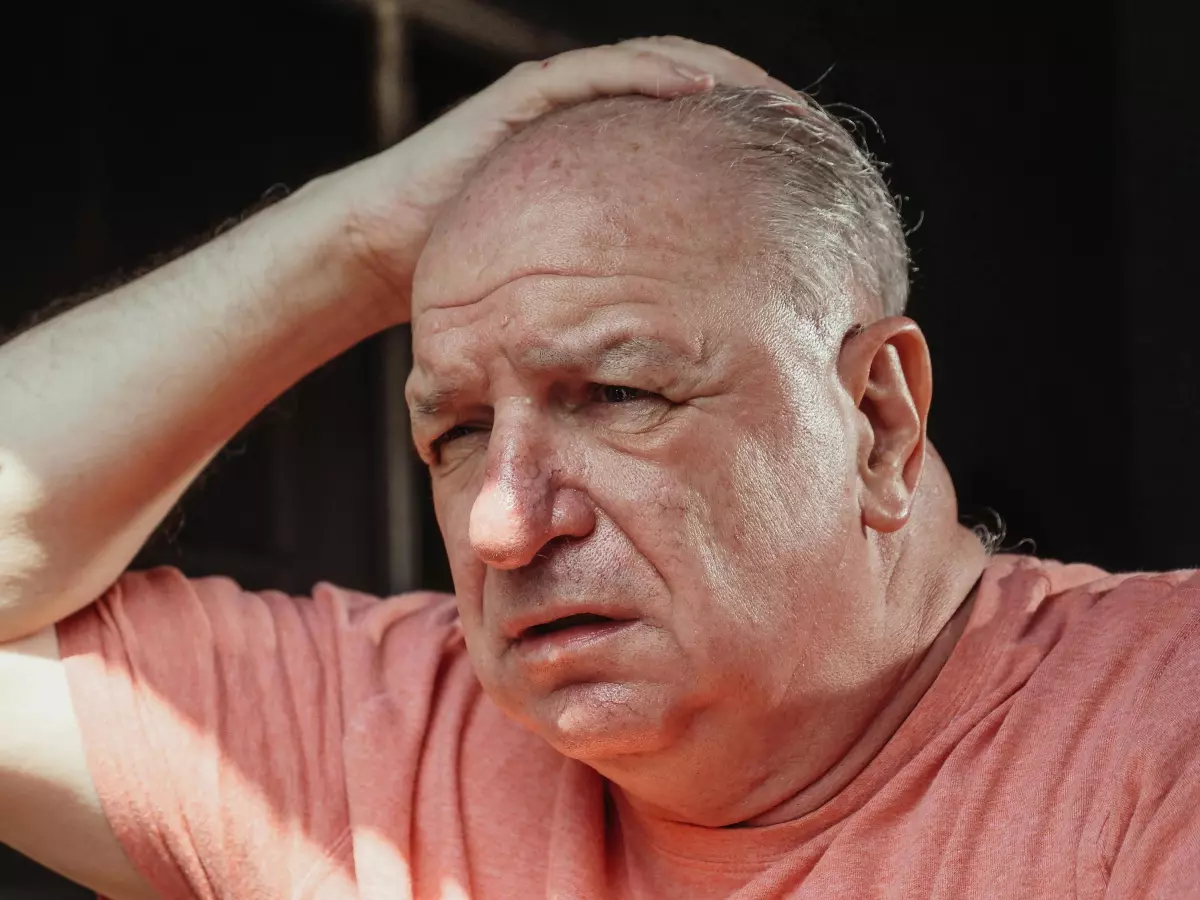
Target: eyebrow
column 431, row 404
column 600, row 358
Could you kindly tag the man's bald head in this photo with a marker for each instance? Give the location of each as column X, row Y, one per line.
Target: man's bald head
column 782, row 168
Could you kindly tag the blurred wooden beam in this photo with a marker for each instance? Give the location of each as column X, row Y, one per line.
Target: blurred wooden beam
column 393, row 120
column 484, row 26
column 481, row 25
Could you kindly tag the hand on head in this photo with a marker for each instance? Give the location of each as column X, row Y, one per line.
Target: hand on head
column 391, row 200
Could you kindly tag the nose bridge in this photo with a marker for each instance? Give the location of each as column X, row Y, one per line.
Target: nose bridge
column 517, row 465
column 513, row 512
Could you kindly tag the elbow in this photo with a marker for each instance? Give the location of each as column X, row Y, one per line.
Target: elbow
column 23, row 557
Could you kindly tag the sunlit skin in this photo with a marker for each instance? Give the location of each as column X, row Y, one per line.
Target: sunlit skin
column 621, row 411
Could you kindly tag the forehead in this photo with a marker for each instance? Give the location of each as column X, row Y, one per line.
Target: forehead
column 629, row 197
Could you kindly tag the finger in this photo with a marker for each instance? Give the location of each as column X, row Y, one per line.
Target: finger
column 727, row 67
column 700, row 50
column 533, row 89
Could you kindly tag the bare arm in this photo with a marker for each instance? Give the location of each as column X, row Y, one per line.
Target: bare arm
column 109, row 411
column 50, row 808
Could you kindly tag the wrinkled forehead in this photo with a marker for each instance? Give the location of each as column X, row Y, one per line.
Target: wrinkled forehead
column 626, row 197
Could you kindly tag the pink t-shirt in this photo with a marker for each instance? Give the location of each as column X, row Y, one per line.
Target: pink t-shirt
column 264, row 746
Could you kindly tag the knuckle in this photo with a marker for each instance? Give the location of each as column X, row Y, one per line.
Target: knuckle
column 526, row 68
column 650, row 56
column 635, row 45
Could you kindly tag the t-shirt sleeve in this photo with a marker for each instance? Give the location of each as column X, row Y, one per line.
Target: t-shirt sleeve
column 213, row 721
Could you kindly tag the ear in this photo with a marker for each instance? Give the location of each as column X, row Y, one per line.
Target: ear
column 885, row 369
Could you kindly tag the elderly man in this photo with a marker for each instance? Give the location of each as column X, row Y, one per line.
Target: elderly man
column 717, row 633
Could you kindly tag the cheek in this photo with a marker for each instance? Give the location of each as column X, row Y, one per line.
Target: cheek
column 452, row 505
column 791, row 496
column 647, row 499
column 777, row 526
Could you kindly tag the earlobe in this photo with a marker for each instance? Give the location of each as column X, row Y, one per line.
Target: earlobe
column 885, row 368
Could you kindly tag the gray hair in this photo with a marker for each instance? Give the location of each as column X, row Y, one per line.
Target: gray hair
column 824, row 196
column 820, row 197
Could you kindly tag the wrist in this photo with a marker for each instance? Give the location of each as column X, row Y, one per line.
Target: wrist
column 345, row 214
column 301, row 266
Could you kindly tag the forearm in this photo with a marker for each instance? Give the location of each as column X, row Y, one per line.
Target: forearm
column 109, row 411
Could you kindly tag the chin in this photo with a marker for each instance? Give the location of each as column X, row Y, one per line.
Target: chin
column 595, row 721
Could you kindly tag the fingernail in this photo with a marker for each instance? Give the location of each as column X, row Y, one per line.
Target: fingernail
column 691, row 74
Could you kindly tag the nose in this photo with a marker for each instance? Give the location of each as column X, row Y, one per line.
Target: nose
column 522, row 505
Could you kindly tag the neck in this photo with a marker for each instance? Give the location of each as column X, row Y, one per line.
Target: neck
column 934, row 566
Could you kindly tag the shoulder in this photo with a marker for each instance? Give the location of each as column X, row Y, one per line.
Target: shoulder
column 1143, row 616
column 207, row 710
column 405, row 645
column 1122, row 649
column 1117, row 644
column 1098, row 671
column 218, row 608
column 1086, row 601
column 382, row 621
column 187, row 637
column 1109, row 712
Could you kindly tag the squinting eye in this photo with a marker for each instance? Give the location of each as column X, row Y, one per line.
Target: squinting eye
column 616, row 393
column 452, row 434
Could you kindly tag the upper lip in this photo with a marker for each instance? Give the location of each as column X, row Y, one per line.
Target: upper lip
column 515, row 627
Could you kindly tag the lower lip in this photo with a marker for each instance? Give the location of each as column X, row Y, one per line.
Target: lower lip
column 555, row 646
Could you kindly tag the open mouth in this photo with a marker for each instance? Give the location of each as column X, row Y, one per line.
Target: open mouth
column 579, row 620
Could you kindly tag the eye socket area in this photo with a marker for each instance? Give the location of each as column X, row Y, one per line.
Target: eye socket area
column 451, row 434
column 617, row 393
column 597, row 393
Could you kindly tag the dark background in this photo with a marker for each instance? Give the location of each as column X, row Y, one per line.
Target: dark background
column 1048, row 152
